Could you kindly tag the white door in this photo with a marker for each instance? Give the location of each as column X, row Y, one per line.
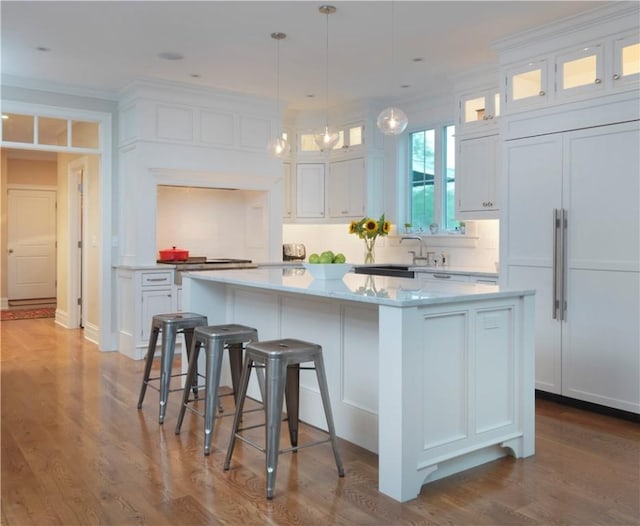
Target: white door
column 310, row 190
column 534, row 189
column 31, row 243
column 601, row 337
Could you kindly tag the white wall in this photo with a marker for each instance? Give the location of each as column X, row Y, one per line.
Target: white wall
column 206, row 221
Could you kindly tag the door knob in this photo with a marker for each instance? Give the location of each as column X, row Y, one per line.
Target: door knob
column 10, row 251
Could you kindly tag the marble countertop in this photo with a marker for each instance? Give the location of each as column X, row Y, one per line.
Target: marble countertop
column 362, row 288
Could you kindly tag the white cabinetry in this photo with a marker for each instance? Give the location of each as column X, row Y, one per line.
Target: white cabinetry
column 310, row 186
column 346, row 188
column 142, row 293
column 583, row 260
column 596, row 66
column 478, row 110
column 442, row 276
column 478, row 149
column 626, row 61
column 287, row 204
column 477, row 177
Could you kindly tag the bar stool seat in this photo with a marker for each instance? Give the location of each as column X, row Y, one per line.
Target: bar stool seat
column 281, row 360
column 214, row 339
column 170, row 325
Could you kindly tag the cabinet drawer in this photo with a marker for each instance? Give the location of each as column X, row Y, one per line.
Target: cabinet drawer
column 441, row 276
column 157, row 278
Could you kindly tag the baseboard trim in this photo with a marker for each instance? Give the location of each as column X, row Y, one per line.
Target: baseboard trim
column 589, row 406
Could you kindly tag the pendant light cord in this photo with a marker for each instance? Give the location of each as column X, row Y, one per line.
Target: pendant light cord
column 326, row 91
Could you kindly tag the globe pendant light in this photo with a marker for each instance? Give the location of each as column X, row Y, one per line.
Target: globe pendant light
column 326, row 139
column 392, row 121
column 278, row 146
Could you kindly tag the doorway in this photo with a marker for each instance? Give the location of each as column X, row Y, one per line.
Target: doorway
column 31, row 262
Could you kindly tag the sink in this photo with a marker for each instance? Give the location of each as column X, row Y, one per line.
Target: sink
column 396, row 271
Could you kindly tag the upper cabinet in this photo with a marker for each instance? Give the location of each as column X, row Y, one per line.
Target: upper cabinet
column 347, row 187
column 593, row 68
column 526, row 84
column 310, row 186
column 478, row 110
column 478, row 151
column 626, row 61
column 580, row 71
column 350, row 139
column 287, row 183
column 477, row 178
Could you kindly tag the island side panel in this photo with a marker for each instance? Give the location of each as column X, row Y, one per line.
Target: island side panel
column 455, row 389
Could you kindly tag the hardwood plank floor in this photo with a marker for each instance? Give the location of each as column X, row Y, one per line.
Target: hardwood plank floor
column 76, row 451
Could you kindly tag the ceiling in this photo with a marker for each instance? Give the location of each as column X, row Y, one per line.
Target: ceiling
column 100, row 46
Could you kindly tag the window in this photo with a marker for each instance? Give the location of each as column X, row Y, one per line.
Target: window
column 432, row 179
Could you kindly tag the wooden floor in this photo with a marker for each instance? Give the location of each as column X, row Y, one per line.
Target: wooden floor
column 77, row 451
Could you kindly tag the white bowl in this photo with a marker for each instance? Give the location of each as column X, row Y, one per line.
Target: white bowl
column 328, row 271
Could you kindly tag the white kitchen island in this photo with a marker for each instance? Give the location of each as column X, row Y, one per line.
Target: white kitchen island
column 433, row 377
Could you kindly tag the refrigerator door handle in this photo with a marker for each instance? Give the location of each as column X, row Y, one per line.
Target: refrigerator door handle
column 557, row 249
column 563, row 265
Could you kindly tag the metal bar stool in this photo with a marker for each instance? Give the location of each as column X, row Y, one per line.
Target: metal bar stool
column 278, row 358
column 170, row 325
column 215, row 339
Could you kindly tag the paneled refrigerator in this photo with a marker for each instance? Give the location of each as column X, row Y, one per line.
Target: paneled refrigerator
column 572, row 231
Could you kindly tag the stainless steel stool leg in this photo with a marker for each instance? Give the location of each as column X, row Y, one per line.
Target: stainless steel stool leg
column 292, row 397
column 324, row 393
column 191, row 379
column 275, row 372
column 151, row 350
column 168, row 351
column 188, row 338
column 244, row 383
column 214, row 369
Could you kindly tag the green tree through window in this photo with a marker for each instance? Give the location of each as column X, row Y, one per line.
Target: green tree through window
column 432, row 179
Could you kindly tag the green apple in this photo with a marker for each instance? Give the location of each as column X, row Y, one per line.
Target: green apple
column 314, row 258
column 328, row 254
column 326, row 258
column 339, row 258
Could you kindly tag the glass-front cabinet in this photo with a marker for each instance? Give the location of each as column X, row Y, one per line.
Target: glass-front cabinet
column 580, row 71
column 479, row 110
column 592, row 69
column 626, row 61
column 526, row 84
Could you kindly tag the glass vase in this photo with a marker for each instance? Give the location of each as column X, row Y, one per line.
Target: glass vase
column 370, row 250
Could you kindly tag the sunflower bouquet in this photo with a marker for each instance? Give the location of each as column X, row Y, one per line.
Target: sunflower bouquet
column 369, row 229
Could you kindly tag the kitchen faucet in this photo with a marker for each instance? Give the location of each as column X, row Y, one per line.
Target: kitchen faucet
column 420, row 258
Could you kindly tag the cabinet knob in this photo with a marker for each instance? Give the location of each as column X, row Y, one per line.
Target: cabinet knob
column 616, row 76
column 542, row 93
column 598, row 81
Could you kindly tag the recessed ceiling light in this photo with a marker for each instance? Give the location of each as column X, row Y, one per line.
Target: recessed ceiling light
column 171, row 55
column 310, row 96
column 405, row 86
column 43, row 49
column 195, row 75
column 418, row 59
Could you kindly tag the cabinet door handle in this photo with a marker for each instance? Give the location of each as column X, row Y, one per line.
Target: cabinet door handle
column 442, row 276
column 156, row 279
column 542, row 93
column 598, row 81
column 616, row 76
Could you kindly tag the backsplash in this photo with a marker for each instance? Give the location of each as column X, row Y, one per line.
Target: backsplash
column 483, row 235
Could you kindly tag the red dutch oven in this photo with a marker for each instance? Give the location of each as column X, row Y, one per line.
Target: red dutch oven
column 174, row 254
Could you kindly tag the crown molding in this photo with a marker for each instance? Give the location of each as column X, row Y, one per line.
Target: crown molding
column 55, row 87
